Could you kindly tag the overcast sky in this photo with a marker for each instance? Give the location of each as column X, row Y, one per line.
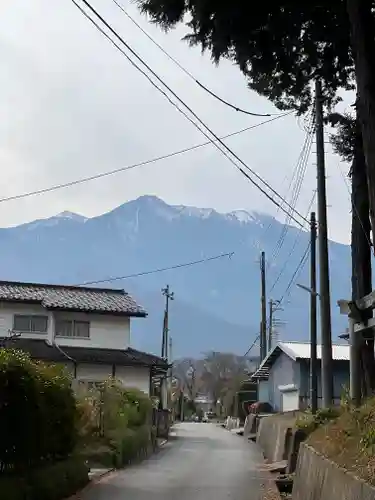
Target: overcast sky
column 72, row 106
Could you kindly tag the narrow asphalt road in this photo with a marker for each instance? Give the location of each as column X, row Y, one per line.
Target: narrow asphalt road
column 204, row 462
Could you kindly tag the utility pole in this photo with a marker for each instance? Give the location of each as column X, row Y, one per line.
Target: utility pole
column 263, row 330
column 313, row 321
column 274, row 305
column 182, row 404
column 164, row 345
column 270, row 323
column 325, row 302
column 170, row 375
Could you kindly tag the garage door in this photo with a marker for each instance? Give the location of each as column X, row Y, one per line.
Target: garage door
column 289, row 401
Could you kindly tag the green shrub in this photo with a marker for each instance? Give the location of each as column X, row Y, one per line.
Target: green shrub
column 135, row 444
column 37, row 412
column 51, row 482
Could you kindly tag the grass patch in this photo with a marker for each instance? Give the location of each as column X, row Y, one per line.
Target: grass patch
column 349, row 440
column 309, row 422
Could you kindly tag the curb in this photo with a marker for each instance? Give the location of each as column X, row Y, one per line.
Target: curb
column 92, row 482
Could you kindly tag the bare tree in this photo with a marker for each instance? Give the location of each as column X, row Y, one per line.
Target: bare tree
column 186, row 371
column 222, row 375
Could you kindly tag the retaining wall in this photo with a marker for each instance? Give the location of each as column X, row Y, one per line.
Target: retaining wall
column 272, row 437
column 318, row 478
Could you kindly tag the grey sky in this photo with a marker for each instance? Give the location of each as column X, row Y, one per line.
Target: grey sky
column 72, row 106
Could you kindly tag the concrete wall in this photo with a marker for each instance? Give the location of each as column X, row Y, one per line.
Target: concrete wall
column 317, row 478
column 272, row 436
column 110, row 332
column 285, row 371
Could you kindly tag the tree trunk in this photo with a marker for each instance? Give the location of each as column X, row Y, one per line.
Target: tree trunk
column 362, row 26
column 361, row 253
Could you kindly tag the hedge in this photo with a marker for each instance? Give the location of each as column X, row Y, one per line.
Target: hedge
column 38, row 414
column 134, row 444
column 51, row 482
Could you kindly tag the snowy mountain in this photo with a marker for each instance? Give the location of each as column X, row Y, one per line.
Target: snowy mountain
column 217, row 303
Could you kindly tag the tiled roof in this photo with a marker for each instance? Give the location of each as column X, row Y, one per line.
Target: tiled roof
column 40, row 349
column 73, row 298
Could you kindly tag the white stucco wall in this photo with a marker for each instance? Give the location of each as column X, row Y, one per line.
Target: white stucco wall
column 134, row 376
column 7, row 312
column 137, row 377
column 110, row 332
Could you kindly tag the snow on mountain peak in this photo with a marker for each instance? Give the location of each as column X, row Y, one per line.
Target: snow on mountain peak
column 201, row 213
column 71, row 215
column 241, row 216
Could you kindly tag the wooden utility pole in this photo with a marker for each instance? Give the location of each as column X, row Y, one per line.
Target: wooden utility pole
column 263, row 330
column 362, row 348
column 325, row 302
column 313, row 319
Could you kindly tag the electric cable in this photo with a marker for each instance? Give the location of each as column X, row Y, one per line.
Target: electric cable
column 108, row 26
column 159, row 270
column 182, row 68
column 129, row 167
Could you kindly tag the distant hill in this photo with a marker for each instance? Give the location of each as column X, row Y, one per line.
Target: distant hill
column 217, row 304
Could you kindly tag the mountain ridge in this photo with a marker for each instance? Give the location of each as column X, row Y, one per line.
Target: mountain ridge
column 217, row 304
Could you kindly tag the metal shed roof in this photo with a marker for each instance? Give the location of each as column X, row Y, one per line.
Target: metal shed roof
column 297, row 350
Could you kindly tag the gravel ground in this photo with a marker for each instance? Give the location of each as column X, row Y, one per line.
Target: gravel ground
column 204, row 462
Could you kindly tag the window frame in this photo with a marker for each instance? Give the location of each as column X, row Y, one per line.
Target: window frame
column 30, row 318
column 73, row 329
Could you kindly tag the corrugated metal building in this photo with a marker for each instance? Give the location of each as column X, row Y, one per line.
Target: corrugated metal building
column 284, row 375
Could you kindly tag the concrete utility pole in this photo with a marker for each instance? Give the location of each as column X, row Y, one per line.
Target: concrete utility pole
column 274, row 305
column 182, row 404
column 325, row 302
column 164, row 345
column 270, row 323
column 263, row 330
column 313, row 321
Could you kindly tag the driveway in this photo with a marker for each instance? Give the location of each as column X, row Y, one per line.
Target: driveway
column 204, row 462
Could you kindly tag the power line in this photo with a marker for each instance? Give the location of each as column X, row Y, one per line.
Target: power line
column 134, row 165
column 159, row 270
column 230, row 151
column 252, row 345
column 182, row 68
column 296, row 273
column 299, row 175
column 293, row 248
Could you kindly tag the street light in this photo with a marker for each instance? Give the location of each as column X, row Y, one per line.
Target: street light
column 308, row 289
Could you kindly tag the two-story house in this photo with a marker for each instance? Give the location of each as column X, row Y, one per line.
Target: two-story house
column 86, row 329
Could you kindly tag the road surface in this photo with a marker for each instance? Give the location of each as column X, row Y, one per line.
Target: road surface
column 204, row 462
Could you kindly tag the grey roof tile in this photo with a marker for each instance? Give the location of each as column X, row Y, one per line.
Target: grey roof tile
column 74, row 298
column 39, row 349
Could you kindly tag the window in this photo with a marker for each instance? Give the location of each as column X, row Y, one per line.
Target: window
column 30, row 323
column 72, row 328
